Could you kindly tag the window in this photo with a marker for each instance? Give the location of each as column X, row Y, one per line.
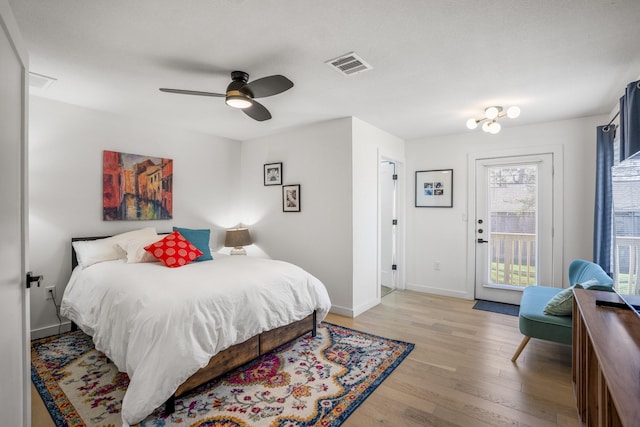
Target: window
column 626, row 210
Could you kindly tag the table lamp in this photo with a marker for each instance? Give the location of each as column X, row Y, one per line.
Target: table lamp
column 236, row 238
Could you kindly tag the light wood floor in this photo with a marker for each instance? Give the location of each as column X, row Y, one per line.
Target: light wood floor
column 459, row 373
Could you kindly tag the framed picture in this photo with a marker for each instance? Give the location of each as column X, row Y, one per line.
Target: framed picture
column 291, row 198
column 136, row 187
column 434, row 188
column 273, row 174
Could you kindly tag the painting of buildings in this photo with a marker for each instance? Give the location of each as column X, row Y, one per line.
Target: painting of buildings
column 136, row 187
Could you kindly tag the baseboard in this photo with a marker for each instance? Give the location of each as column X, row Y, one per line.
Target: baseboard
column 48, row 331
column 364, row 307
column 439, row 291
column 342, row 311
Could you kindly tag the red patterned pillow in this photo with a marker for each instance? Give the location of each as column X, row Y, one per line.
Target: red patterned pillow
column 174, row 250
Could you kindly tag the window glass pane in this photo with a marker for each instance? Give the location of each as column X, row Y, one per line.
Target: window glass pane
column 512, row 229
column 626, row 206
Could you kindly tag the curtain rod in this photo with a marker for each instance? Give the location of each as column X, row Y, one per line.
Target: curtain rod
column 606, row 128
column 618, row 113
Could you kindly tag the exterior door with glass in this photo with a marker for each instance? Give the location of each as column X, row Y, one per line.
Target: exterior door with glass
column 513, row 225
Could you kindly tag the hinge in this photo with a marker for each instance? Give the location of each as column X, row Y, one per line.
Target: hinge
column 395, row 177
column 394, row 222
column 394, row 266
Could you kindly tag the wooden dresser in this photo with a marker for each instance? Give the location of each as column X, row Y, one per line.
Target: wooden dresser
column 606, row 361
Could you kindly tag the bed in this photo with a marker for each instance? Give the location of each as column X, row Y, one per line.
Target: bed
column 192, row 323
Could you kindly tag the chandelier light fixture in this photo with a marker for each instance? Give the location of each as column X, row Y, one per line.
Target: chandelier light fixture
column 491, row 116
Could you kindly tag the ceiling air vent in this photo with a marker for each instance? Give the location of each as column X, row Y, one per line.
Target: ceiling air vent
column 39, row 81
column 349, row 64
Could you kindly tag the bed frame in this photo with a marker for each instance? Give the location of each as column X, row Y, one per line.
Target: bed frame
column 234, row 356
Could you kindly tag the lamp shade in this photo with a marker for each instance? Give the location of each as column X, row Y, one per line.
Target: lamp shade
column 492, row 112
column 237, row 237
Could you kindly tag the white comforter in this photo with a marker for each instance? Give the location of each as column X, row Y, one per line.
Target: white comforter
column 160, row 325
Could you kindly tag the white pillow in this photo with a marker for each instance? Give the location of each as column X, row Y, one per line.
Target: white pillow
column 90, row 252
column 135, row 249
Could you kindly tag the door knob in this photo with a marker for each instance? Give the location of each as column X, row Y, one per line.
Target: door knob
column 481, row 240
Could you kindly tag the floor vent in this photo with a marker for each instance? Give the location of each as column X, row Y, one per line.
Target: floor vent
column 39, row 81
column 349, row 64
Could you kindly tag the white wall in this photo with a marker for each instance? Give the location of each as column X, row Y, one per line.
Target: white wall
column 441, row 234
column 319, row 237
column 370, row 144
column 65, row 185
column 334, row 237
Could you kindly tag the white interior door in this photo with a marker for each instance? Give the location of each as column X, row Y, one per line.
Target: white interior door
column 513, row 225
column 388, row 232
column 15, row 407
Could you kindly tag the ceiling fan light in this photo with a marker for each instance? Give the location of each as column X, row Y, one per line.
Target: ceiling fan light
column 472, row 124
column 513, row 112
column 238, row 101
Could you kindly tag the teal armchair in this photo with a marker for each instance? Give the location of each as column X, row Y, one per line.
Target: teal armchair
column 535, row 323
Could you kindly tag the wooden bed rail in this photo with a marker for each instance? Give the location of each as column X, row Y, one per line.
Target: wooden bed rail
column 239, row 354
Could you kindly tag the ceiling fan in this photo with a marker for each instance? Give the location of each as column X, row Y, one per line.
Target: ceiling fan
column 241, row 94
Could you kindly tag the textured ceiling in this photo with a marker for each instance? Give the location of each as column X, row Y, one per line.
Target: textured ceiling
column 435, row 63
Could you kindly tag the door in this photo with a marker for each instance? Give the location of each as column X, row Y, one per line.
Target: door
column 388, row 221
column 14, row 317
column 513, row 225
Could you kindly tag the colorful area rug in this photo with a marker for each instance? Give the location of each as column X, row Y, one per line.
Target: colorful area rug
column 311, row 381
column 497, row 307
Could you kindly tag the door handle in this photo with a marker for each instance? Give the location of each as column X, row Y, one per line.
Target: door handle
column 31, row 278
column 481, row 240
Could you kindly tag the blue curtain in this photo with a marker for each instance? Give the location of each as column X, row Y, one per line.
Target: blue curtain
column 603, row 212
column 630, row 121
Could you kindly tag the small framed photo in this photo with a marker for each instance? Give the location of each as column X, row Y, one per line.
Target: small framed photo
column 434, row 188
column 273, row 174
column 291, row 198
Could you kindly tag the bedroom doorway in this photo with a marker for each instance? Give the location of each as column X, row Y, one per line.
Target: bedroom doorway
column 388, row 213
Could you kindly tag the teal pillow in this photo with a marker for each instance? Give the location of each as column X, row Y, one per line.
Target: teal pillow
column 562, row 303
column 200, row 239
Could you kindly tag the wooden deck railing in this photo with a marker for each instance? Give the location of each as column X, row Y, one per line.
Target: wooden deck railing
column 513, row 258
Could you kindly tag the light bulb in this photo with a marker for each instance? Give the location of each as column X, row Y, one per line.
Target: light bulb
column 486, row 126
column 513, row 112
column 494, row 128
column 472, row 124
column 236, row 101
column 491, row 113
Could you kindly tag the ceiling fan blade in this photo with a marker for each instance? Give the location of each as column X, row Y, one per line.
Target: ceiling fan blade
column 268, row 86
column 257, row 112
column 192, row 92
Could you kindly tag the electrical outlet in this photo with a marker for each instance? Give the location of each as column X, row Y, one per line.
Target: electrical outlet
column 436, row 265
column 50, row 290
